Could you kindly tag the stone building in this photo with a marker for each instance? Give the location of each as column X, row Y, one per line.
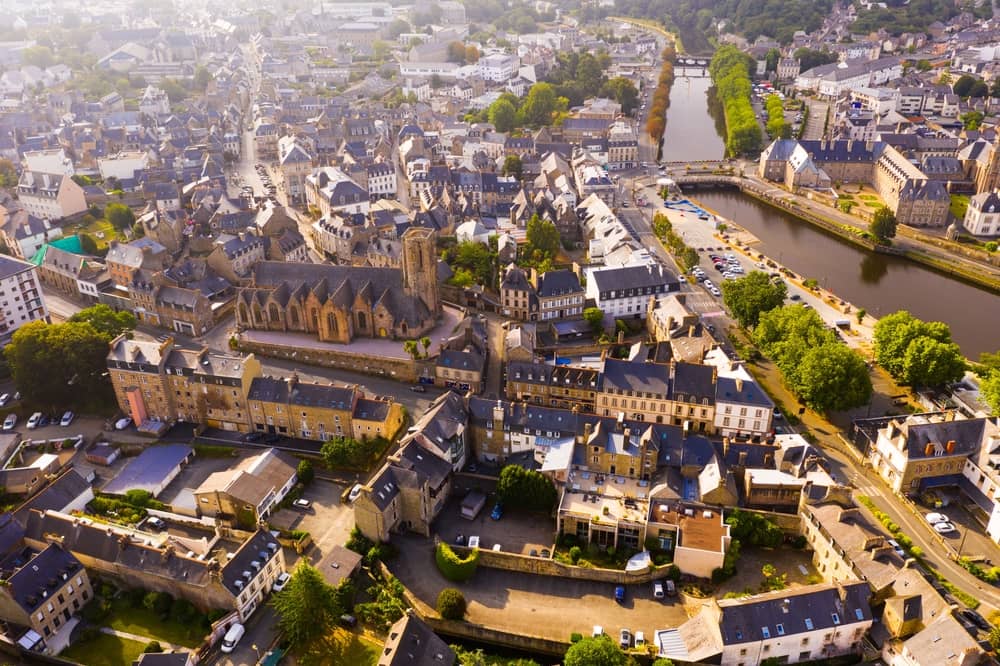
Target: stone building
column 340, row 303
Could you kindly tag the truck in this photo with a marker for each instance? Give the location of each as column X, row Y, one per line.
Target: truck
column 472, row 504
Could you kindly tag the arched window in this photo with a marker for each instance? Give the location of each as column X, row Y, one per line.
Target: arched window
column 243, row 313
column 331, row 322
column 294, row 316
column 257, row 316
column 272, row 312
column 362, row 322
column 315, row 319
column 402, row 327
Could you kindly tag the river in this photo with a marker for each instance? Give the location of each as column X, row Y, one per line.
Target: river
column 879, row 283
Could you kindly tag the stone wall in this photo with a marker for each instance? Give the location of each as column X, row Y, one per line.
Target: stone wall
column 400, row 369
column 548, row 567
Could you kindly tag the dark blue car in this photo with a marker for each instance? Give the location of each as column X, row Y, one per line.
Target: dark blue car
column 620, row 594
column 497, row 512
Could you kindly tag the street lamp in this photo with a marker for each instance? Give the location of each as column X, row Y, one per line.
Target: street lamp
column 257, row 650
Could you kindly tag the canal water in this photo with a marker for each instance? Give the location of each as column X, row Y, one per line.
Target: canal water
column 879, row 283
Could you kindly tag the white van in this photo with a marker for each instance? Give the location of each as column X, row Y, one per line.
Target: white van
column 232, row 637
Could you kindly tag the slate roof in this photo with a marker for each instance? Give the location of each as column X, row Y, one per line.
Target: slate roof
column 633, row 376
column 558, row 283
column 967, row 435
column 46, row 572
column 260, row 548
column 270, row 389
column 632, row 277
column 790, row 612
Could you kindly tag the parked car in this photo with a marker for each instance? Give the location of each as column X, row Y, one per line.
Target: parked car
column 625, row 639
column 976, row 619
column 620, row 594
column 281, row 582
column 10, row 422
column 4, row 399
column 546, row 553
column 44, row 420
column 253, row 436
column 935, row 517
column 658, row 591
column 348, row 620
column 497, row 513
column 355, row 492
column 156, row 523
column 121, row 424
column 33, row 420
column 671, row 588
column 795, row 297
column 944, row 528
column 67, row 418
column 272, row 438
column 418, row 389
column 896, row 547
column 302, row 503
column 232, row 637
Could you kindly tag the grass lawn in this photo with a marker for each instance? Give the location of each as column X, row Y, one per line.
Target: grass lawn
column 341, row 647
column 143, row 622
column 959, row 202
column 96, row 230
column 104, row 650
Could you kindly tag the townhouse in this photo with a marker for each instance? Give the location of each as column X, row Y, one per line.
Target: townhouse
column 21, row 298
column 247, row 493
column 50, row 196
column 624, row 292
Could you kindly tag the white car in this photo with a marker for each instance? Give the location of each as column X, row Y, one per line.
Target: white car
column 715, row 291
column 121, row 424
column 4, row 399
column 934, row 518
column 67, row 419
column 355, row 492
column 301, row 503
column 10, row 422
column 944, row 528
column 896, row 547
column 282, row 581
column 658, row 590
column 33, row 420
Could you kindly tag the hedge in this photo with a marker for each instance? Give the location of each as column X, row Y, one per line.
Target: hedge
column 452, row 566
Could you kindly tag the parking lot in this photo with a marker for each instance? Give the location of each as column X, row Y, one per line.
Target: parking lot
column 547, row 606
column 515, row 532
column 327, row 520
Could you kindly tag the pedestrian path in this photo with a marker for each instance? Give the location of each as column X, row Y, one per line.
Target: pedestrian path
column 143, row 639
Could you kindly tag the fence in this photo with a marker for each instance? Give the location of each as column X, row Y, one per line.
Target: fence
column 544, row 566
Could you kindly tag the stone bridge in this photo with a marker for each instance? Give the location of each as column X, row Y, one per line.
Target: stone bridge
column 707, row 179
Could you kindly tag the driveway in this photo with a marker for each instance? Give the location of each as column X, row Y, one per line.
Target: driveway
column 546, row 606
column 516, row 532
column 328, row 521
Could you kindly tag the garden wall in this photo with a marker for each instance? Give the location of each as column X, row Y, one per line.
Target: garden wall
column 547, row 567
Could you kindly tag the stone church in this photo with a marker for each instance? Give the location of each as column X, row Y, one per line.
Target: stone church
column 341, row 303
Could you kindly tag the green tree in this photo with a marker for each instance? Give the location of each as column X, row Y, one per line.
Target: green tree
column 623, row 91
column 175, row 91
column 308, row 607
column 456, row 52
column 39, row 56
column 754, row 529
column 410, row 347
column 971, row 120
column 893, row 336
column 809, row 58
column 527, row 489
column 60, row 364
column 451, row 604
column 106, row 321
column 397, row 28
column 512, row 166
column 8, row 173
column 833, row 377
column 543, row 236
column 883, row 224
column 152, row 647
column 595, row 651
column 594, row 317
column 202, row 77
column 539, row 105
column 663, row 661
column 88, row 244
column 963, row 85
column 979, row 90
column 924, row 65
column 503, row 115
column 928, row 362
column 860, row 314
column 305, row 472
column 989, row 388
column 119, row 215
column 425, row 342
column 750, row 296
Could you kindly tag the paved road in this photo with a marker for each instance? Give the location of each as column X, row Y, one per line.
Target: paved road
column 261, row 634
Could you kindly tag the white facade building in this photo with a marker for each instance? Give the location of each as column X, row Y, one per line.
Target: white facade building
column 499, row 67
column 982, row 217
column 21, row 299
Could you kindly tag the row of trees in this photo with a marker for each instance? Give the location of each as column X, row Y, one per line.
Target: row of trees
column 730, row 70
column 526, row 489
column 687, row 257
column 656, row 122
column 917, row 353
column 536, row 110
column 777, row 127
column 821, row 370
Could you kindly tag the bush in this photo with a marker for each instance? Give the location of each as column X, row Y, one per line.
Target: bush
column 674, row 573
column 182, row 611
column 358, row 542
column 158, row 602
column 574, row 554
column 451, row 604
column 575, row 637
column 452, row 566
column 799, row 542
column 305, row 472
column 152, row 646
column 96, row 611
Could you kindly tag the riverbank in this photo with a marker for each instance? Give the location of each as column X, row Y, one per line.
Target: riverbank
column 959, row 271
